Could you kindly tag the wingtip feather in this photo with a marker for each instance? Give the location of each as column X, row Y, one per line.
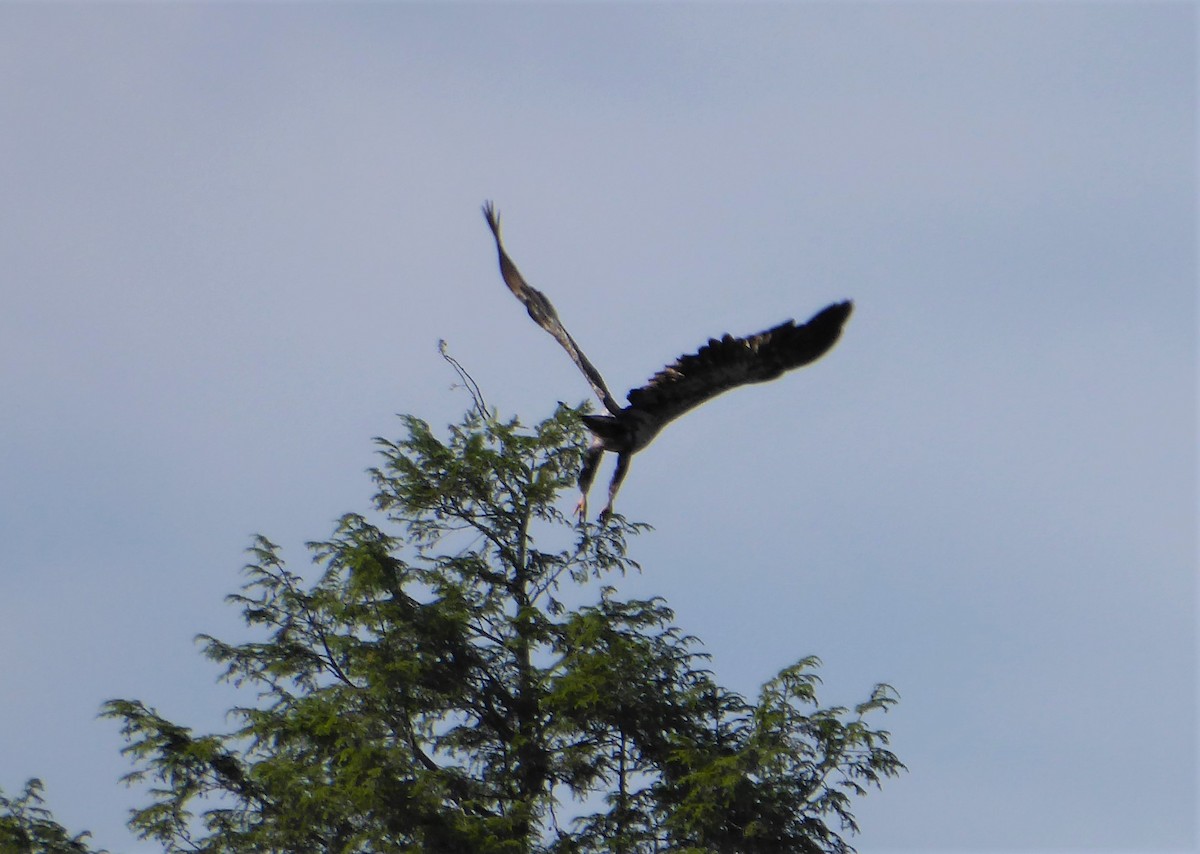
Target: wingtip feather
column 492, row 216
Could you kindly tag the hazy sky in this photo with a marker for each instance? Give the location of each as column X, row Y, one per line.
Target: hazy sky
column 233, row 235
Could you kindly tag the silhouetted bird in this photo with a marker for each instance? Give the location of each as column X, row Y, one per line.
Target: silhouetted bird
column 721, row 364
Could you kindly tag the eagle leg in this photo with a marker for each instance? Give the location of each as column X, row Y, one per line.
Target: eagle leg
column 615, row 483
column 587, row 473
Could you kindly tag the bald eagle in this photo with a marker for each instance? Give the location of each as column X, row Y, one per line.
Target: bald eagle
column 721, row 364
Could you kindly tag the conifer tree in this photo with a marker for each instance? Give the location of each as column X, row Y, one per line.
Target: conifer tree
column 27, row 827
column 460, row 674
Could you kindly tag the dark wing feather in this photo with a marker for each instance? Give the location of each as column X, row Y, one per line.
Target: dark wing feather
column 543, row 313
column 729, row 362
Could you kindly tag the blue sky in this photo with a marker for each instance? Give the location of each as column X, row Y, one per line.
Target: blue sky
column 233, row 235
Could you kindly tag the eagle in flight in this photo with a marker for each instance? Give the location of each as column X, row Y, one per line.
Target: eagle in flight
column 689, row 381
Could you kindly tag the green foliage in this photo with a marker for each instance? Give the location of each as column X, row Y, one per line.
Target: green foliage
column 26, row 827
column 447, row 685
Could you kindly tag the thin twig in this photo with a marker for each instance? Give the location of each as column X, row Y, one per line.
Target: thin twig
column 468, row 381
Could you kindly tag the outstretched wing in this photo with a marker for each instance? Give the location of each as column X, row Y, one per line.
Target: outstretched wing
column 543, row 313
column 729, row 362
